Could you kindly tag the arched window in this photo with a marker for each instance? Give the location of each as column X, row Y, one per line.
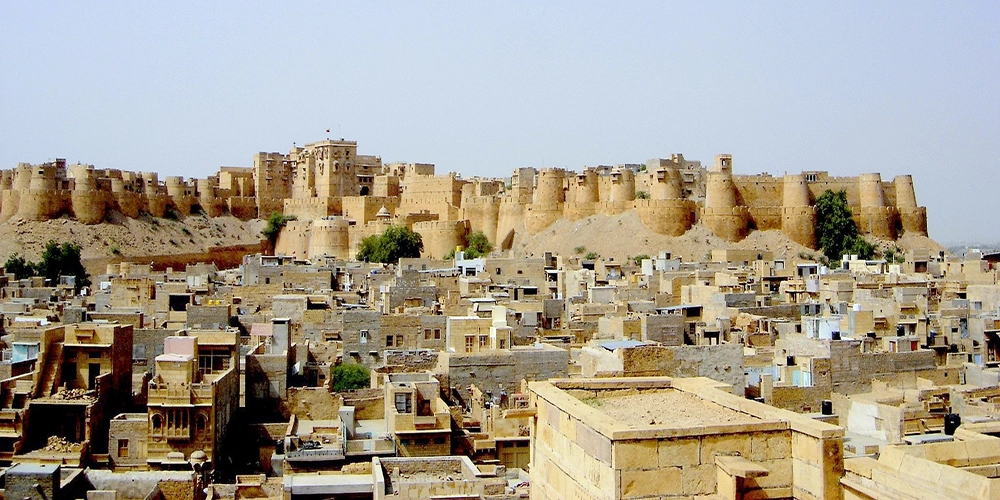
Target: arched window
column 157, row 422
column 201, row 423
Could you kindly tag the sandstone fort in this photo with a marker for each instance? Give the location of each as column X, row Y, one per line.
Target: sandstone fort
column 339, row 196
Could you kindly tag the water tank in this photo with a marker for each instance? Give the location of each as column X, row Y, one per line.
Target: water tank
column 826, row 407
column 951, row 422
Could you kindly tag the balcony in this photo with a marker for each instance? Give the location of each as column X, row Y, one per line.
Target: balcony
column 179, row 394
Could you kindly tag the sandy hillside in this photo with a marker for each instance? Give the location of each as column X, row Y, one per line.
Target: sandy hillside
column 618, row 236
column 624, row 235
column 125, row 237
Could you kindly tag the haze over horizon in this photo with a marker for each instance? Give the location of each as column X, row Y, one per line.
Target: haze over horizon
column 851, row 87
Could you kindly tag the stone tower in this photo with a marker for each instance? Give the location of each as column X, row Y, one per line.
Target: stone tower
column 798, row 215
column 89, row 204
column 912, row 217
column 330, row 237
column 548, row 200
column 722, row 214
column 666, row 212
column 874, row 217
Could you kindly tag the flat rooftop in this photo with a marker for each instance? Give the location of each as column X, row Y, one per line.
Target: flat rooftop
column 659, row 407
column 629, row 408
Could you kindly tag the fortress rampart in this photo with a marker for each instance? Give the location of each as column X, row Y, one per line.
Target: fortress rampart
column 339, row 197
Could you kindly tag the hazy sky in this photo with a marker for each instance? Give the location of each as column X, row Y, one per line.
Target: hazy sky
column 483, row 87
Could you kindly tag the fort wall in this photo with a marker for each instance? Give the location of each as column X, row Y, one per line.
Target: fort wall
column 669, row 217
column 441, row 237
column 330, row 237
column 483, row 214
column 328, row 179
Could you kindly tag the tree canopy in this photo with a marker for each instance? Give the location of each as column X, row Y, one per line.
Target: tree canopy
column 57, row 260
column 349, row 377
column 275, row 222
column 19, row 266
column 836, row 231
column 395, row 243
column 476, row 245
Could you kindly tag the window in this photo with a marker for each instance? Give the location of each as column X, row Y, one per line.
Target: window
column 156, row 422
column 399, row 341
column 503, row 344
column 122, row 448
column 364, row 336
column 388, row 340
column 404, row 404
column 201, row 423
column 483, row 341
column 427, row 333
column 470, row 342
column 437, row 334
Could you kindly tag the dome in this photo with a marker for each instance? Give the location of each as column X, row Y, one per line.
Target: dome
column 383, row 213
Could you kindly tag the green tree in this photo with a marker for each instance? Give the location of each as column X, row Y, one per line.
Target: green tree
column 19, row 266
column 62, row 260
column 275, row 222
column 477, row 245
column 350, row 376
column 836, row 231
column 639, row 258
column 395, row 243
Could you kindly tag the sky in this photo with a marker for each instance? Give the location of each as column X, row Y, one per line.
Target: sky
column 480, row 88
